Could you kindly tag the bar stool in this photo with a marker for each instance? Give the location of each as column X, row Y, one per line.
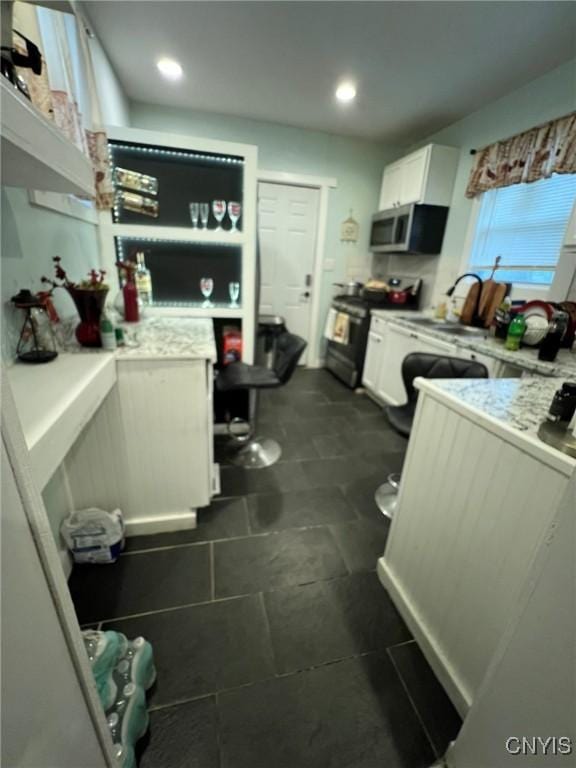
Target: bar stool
column 257, row 453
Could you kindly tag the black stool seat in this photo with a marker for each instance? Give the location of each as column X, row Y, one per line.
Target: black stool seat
column 244, row 376
column 401, row 417
column 429, row 367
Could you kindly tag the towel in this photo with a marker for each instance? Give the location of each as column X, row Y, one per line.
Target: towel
column 330, row 321
column 341, row 328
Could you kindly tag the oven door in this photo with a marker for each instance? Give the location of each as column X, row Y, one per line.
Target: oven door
column 347, row 360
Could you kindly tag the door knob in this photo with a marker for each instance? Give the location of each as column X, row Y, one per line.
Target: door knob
column 306, row 295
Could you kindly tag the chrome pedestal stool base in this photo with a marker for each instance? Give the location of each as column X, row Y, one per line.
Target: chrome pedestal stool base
column 251, row 452
column 386, row 496
column 257, row 454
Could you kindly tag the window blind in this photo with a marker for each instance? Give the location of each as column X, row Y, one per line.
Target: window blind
column 525, row 225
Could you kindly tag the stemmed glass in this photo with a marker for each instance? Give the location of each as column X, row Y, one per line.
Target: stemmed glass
column 204, row 213
column 234, row 291
column 206, row 287
column 219, row 211
column 234, row 211
column 194, row 211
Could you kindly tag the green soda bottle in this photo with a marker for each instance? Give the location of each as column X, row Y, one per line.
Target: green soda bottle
column 516, row 331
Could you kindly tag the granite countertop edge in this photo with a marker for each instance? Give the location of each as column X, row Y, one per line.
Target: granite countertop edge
column 524, row 358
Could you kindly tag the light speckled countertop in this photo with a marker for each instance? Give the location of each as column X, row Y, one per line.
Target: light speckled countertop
column 189, row 338
column 563, row 366
column 170, row 337
column 518, row 403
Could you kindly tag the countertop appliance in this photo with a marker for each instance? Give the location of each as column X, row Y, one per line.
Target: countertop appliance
column 409, row 229
column 346, row 361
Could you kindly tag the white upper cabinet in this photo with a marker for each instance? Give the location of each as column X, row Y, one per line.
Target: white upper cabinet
column 425, row 176
column 391, row 185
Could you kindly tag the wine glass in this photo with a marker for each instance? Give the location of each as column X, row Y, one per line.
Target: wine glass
column 234, row 211
column 219, row 211
column 234, row 291
column 204, row 213
column 194, row 211
column 206, row 287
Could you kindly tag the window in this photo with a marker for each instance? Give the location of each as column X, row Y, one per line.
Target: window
column 525, row 225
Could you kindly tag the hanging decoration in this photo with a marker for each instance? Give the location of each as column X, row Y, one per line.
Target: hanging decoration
column 349, row 229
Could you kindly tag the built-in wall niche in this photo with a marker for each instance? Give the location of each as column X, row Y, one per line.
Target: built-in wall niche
column 177, row 267
column 164, row 182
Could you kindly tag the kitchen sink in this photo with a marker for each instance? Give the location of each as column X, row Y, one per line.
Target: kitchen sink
column 452, row 328
column 464, row 330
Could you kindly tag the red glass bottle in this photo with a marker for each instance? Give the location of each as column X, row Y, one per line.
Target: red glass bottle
column 131, row 312
column 129, row 292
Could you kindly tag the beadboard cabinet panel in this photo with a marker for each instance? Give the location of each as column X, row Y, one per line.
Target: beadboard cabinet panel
column 473, row 509
column 148, row 449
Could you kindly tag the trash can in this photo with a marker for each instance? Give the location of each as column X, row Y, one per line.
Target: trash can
column 269, row 328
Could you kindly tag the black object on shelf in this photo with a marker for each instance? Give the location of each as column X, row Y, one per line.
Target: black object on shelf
column 183, row 177
column 36, row 343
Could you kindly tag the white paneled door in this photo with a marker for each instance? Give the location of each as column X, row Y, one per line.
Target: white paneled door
column 287, row 228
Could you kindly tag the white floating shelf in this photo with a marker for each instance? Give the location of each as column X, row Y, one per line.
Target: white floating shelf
column 56, row 400
column 35, row 154
column 185, row 234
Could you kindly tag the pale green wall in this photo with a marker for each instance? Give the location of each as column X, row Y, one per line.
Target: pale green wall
column 357, row 165
column 31, row 236
column 550, row 96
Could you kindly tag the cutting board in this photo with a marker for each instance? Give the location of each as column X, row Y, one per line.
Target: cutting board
column 469, row 305
column 491, row 297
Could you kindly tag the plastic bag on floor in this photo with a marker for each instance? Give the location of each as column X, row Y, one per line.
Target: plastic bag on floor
column 94, row 535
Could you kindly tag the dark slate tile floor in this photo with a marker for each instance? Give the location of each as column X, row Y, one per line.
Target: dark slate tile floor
column 275, row 643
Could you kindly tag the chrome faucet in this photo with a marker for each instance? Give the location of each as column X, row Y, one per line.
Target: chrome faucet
column 476, row 319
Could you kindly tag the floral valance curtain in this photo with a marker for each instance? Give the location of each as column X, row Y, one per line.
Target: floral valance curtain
column 529, row 156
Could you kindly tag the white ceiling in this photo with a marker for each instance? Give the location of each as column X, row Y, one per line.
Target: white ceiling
column 419, row 65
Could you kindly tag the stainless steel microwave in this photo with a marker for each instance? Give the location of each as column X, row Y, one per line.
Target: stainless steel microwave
column 409, row 229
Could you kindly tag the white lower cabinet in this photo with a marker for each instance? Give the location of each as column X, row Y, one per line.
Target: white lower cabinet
column 492, row 365
column 398, row 343
column 157, row 425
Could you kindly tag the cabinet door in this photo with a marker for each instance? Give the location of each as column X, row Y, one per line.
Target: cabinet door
column 401, row 342
column 490, row 363
column 372, row 361
column 414, row 168
column 164, row 406
column 391, row 187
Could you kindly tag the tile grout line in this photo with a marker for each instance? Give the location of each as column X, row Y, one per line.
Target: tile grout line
column 275, row 677
column 413, row 704
column 244, row 595
column 212, row 573
column 256, row 534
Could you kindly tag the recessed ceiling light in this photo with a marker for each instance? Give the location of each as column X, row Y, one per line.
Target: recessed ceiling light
column 169, row 68
column 346, row 92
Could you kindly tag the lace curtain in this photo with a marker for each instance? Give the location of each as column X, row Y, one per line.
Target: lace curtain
column 529, row 156
column 65, row 91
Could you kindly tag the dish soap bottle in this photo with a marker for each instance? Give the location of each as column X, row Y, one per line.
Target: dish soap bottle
column 516, row 331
